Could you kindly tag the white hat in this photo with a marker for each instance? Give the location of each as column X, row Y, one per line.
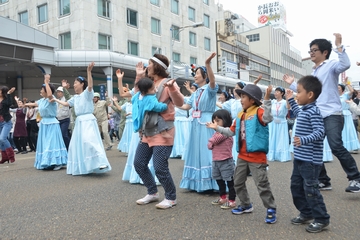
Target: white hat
column 60, row 89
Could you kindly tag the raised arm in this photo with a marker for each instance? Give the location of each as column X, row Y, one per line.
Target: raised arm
column 66, row 86
column 210, row 72
column 47, row 87
column 89, row 76
column 120, row 76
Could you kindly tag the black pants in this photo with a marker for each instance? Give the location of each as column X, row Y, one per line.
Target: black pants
column 20, row 143
column 32, row 130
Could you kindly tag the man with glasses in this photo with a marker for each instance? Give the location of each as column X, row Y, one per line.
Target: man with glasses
column 330, row 106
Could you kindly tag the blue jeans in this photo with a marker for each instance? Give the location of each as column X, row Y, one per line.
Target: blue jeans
column 64, row 126
column 333, row 128
column 5, row 128
column 305, row 191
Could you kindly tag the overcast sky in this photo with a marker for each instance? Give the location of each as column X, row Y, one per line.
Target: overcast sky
column 310, row 19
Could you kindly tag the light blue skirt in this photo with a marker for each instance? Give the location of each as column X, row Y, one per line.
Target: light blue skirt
column 349, row 133
column 197, row 173
column 124, row 143
column 50, row 148
column 130, row 173
column 86, row 150
column 278, row 142
column 182, row 132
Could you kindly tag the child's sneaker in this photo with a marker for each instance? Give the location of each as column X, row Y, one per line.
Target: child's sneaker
column 228, row 205
column 270, row 215
column 219, row 201
column 240, row 210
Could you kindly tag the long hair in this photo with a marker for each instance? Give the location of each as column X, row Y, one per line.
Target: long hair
column 4, row 90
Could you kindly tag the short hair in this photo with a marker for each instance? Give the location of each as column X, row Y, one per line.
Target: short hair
column 144, row 85
column 280, row 89
column 83, row 80
column 311, row 84
column 323, row 45
column 342, row 86
column 52, row 87
column 223, row 115
column 158, row 69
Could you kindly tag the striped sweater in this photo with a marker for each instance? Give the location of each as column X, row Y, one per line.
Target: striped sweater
column 310, row 129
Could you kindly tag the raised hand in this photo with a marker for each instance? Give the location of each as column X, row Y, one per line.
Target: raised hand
column 90, row 66
column 119, row 74
column 208, row 60
column 258, row 79
column 114, row 98
column 140, row 70
column 11, row 90
column 47, row 78
column 268, row 92
column 64, row 83
column 288, row 79
column 338, row 39
column 288, row 94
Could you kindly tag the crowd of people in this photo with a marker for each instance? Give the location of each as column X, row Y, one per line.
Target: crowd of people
column 221, row 143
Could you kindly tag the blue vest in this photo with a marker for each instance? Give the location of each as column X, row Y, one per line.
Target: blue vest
column 257, row 135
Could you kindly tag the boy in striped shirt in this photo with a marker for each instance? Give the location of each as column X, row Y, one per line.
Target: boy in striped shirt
column 308, row 151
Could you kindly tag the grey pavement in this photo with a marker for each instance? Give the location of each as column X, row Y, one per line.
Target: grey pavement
column 36, row 204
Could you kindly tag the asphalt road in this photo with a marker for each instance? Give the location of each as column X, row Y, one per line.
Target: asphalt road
column 36, row 204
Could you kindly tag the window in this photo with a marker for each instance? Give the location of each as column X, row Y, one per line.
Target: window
column 104, row 8
column 104, row 41
column 193, row 60
column 155, row 26
column 176, row 57
column 3, row 1
column 64, row 7
column 155, row 50
column 207, row 44
column 24, row 18
column 206, row 2
column 132, row 17
column 207, row 21
column 155, row 2
column 175, row 32
column 253, row 37
column 65, row 40
column 192, row 38
column 133, row 48
column 191, row 14
column 175, row 6
column 42, row 13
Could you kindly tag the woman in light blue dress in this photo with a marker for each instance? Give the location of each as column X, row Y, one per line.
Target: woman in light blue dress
column 182, row 126
column 51, row 153
column 349, row 133
column 124, row 143
column 86, row 151
column 278, row 129
column 197, row 173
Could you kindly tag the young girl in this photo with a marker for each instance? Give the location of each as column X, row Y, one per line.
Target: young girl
column 223, row 162
column 86, row 150
column 145, row 101
column 50, row 149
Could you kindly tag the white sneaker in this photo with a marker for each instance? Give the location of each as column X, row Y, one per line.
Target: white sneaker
column 56, row 168
column 103, row 167
column 166, row 204
column 148, row 199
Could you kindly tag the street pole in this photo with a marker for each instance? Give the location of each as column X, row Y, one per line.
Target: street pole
column 172, row 40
